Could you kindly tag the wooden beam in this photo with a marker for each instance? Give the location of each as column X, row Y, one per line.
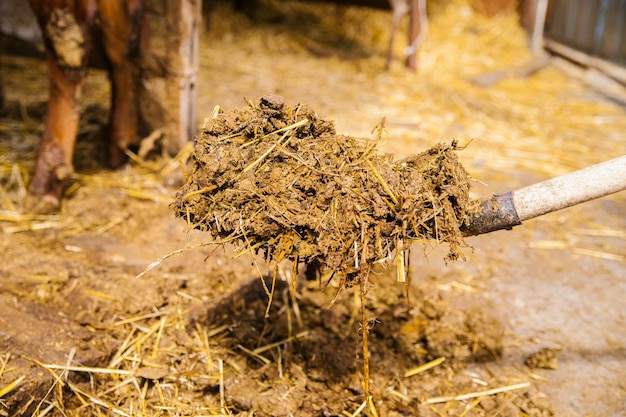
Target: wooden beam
column 169, row 70
column 616, row 72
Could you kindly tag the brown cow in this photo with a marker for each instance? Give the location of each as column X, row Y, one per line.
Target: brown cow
column 70, row 28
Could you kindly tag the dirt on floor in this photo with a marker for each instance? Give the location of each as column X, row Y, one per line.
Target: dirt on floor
column 191, row 337
column 116, row 307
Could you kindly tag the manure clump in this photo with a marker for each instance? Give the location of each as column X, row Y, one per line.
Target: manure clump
column 279, row 180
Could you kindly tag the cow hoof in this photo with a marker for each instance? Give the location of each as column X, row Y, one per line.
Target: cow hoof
column 117, row 157
column 42, row 204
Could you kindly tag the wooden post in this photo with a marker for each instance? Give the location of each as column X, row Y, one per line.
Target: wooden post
column 169, row 70
column 533, row 17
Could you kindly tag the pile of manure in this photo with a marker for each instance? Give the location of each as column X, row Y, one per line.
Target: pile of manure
column 278, row 180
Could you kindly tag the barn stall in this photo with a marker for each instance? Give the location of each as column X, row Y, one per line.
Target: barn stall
column 82, row 335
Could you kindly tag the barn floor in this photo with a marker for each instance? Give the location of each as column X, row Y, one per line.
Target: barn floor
column 81, row 335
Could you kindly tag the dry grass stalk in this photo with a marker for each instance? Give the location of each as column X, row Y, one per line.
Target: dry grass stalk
column 470, row 407
column 88, row 369
column 469, row 395
column 365, row 348
column 11, row 386
column 603, row 232
column 600, row 254
column 159, row 261
column 358, row 411
column 255, row 355
column 424, row 367
column 270, row 346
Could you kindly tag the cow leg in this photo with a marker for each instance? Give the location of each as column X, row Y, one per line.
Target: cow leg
column 398, row 9
column 56, row 149
column 64, row 26
column 120, row 25
column 123, row 119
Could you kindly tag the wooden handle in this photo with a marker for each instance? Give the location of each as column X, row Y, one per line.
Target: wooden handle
column 511, row 209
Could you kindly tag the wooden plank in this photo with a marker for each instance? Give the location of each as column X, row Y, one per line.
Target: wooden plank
column 169, row 70
column 608, row 68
